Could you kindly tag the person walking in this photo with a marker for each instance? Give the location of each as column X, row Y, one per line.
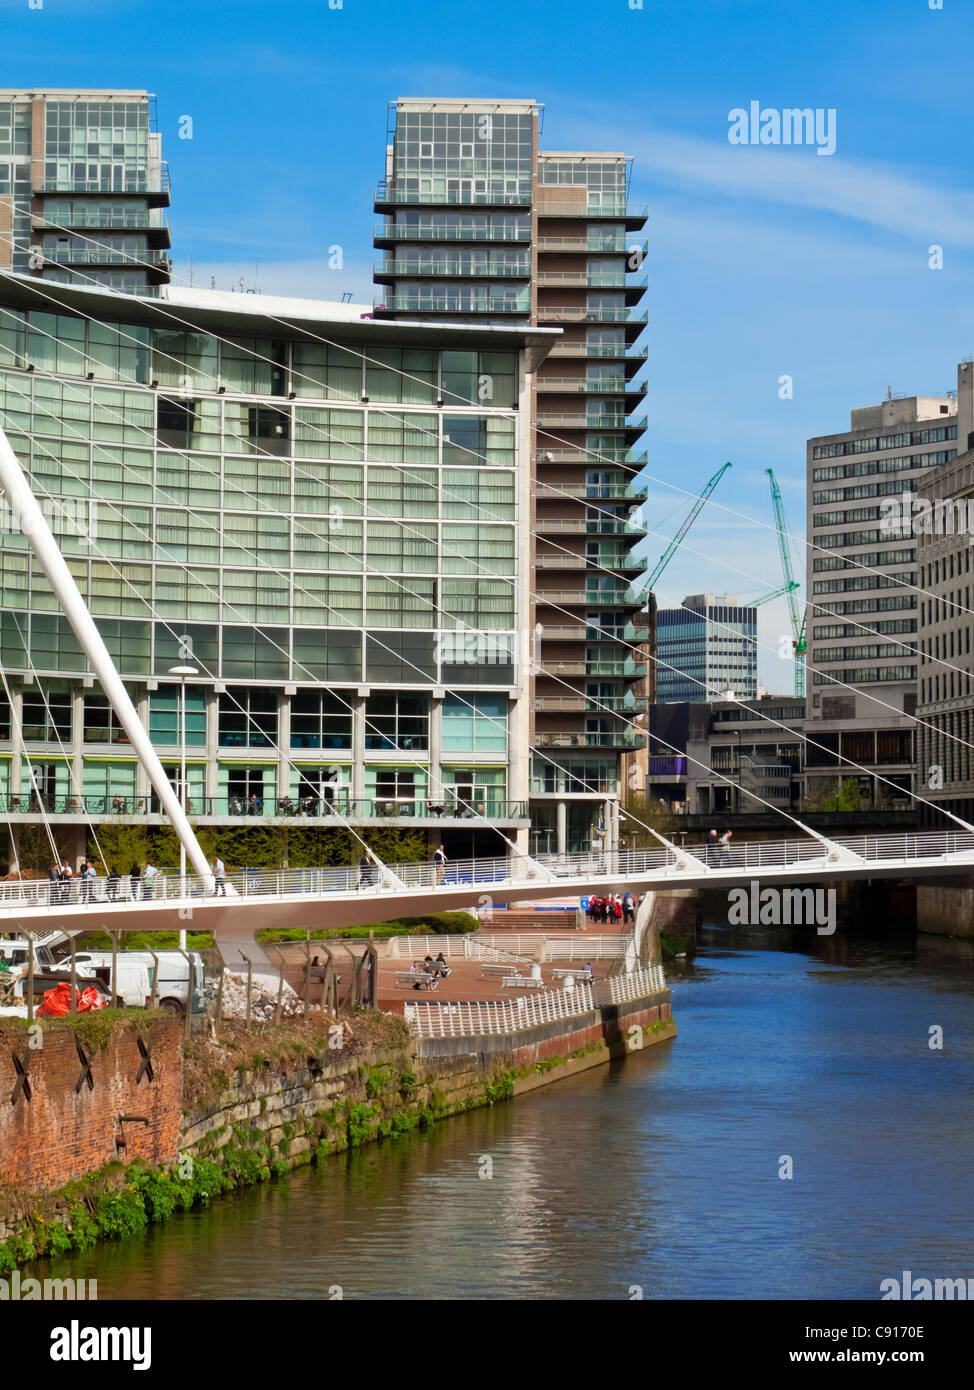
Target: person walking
column 725, row 840
column 111, row 885
column 67, row 878
column 219, row 878
column 134, row 876
column 148, row 881
column 439, row 862
column 365, row 876
column 54, row 874
column 710, row 849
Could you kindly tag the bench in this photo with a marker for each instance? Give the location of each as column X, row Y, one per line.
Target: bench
column 406, row 978
column 578, row 972
column 491, row 972
column 521, row 982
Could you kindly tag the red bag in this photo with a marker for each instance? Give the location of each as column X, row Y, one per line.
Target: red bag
column 58, row 1001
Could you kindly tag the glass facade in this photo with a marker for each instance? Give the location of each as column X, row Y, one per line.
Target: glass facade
column 303, row 526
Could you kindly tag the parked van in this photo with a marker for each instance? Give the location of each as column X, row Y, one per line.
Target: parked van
column 133, row 982
column 172, row 985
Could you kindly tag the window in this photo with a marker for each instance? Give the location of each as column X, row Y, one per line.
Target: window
column 248, row 718
column 471, row 441
column 101, row 723
column 475, row 723
column 320, row 719
column 164, row 716
column 397, row 721
column 47, row 712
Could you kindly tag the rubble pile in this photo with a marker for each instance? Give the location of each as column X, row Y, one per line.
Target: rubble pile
column 263, row 1001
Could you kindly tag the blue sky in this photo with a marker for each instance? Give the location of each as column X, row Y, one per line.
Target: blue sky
column 763, row 261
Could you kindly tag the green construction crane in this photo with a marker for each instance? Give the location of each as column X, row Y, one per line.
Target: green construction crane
column 795, row 609
column 689, row 519
column 772, row 593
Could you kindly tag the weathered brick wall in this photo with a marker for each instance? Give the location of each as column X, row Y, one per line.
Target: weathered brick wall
column 62, row 1133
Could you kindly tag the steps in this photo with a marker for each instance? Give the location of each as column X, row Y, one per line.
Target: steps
column 519, row 920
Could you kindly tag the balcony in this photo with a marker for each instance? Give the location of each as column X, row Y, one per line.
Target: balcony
column 580, row 313
column 117, row 218
column 602, row 525
column 452, row 304
column 617, row 491
column 389, row 194
column 569, row 704
column 630, row 459
column 623, row 670
column 592, row 246
column 120, row 808
column 622, row 596
column 634, row 213
column 82, row 254
column 622, row 738
column 384, row 271
column 586, row 632
column 587, row 279
column 618, row 351
column 621, row 563
column 155, row 187
column 383, row 236
column 592, row 386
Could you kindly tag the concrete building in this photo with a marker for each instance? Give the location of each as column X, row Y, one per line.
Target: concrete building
column 82, row 188
column 945, row 767
column 280, row 508
column 862, row 618
column 706, row 757
column 705, row 648
column 480, row 223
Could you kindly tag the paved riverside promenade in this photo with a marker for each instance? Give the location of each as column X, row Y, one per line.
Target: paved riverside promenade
column 466, row 981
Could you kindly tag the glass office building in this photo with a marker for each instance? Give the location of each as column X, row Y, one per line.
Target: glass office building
column 479, row 222
column 705, row 648
column 83, row 188
column 293, row 511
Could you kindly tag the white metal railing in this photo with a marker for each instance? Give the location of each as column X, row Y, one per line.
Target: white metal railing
column 499, row 1015
column 563, row 871
column 622, row 989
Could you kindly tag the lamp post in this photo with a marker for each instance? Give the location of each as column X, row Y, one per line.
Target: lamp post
column 182, row 672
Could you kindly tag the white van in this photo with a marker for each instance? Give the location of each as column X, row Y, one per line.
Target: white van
column 133, row 982
column 172, row 983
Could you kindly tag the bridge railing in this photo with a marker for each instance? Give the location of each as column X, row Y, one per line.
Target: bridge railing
column 507, row 873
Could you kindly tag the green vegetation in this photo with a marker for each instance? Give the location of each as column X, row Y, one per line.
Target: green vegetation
column 436, row 924
column 846, row 797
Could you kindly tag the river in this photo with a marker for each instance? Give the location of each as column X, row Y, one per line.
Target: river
column 658, row 1175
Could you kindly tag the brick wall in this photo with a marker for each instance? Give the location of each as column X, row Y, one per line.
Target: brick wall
column 62, row 1133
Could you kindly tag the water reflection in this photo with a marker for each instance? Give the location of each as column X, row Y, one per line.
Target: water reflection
column 661, row 1172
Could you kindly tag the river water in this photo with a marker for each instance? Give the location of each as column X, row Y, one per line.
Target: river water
column 659, row 1174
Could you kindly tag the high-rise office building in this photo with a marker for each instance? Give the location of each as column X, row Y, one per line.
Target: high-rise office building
column 863, row 604
column 479, row 222
column 705, row 648
column 83, row 187
column 945, row 689
column 288, row 510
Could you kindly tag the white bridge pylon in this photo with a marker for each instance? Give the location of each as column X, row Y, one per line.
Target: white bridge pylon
column 338, row 898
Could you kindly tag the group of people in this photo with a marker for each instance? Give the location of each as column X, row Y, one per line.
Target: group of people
column 436, row 969
column 614, row 908
column 718, row 847
column 62, row 879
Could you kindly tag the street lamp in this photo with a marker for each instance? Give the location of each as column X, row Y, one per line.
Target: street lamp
column 182, row 672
